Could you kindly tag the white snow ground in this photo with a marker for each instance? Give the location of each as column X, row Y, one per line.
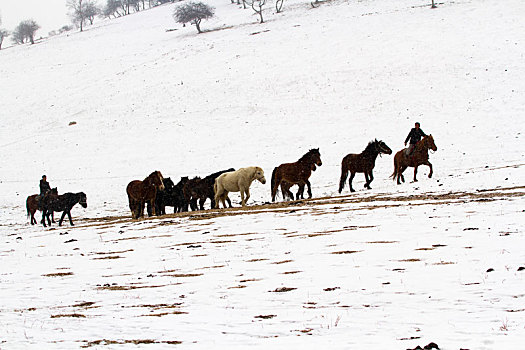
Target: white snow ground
column 372, row 270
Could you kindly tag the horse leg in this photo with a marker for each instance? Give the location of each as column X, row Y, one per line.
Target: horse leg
column 223, row 199
column 243, row 202
column 352, row 174
column 309, row 189
column 152, row 206
column 193, row 204
column 415, row 173
column 201, row 203
column 69, row 217
column 141, row 209
column 44, row 217
column 33, row 220
column 371, row 176
column 300, row 192
column 431, row 170
column 367, row 180
column 53, row 217
column 247, row 195
column 132, row 207
column 62, row 218
column 400, row 175
column 229, row 202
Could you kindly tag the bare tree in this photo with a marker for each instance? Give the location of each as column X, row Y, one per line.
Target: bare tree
column 194, row 13
column 91, row 11
column 78, row 12
column 278, row 5
column 3, row 34
column 25, row 31
column 257, row 6
column 113, row 8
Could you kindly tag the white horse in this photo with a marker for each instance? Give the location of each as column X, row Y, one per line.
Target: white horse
column 237, row 181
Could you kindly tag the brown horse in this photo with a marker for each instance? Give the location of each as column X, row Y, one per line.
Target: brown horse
column 285, row 189
column 296, row 173
column 32, row 206
column 142, row 192
column 418, row 157
column 363, row 162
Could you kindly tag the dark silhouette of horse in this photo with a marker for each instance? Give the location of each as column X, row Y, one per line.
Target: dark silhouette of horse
column 188, row 193
column 296, row 173
column 142, row 192
column 61, row 203
column 202, row 189
column 32, row 205
column 285, row 189
column 172, row 196
column 178, row 200
column 163, row 197
column 363, row 162
column 418, row 157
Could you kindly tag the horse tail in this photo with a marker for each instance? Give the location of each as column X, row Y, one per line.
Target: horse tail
column 394, row 174
column 27, row 208
column 273, row 184
column 216, row 198
column 344, row 175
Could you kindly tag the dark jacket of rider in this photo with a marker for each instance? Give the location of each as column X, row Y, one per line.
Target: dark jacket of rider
column 415, row 136
column 44, row 187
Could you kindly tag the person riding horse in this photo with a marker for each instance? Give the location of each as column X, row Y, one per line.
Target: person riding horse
column 44, row 189
column 414, row 136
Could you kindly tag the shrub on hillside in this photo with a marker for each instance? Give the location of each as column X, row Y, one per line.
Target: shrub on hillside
column 194, row 13
column 25, row 31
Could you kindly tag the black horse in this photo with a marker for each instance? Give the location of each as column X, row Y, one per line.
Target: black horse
column 65, row 202
column 202, row 189
column 163, row 197
column 172, row 197
column 363, row 162
column 187, row 191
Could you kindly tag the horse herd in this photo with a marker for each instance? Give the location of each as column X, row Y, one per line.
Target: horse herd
column 156, row 192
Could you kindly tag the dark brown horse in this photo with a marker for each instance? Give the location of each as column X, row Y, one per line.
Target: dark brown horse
column 142, row 192
column 53, row 202
column 202, row 189
column 296, row 173
column 32, row 205
column 418, row 157
column 285, row 189
column 363, row 162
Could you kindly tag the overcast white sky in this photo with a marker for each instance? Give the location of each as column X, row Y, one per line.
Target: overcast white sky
column 49, row 14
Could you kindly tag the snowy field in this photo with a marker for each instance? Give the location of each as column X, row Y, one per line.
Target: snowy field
column 441, row 260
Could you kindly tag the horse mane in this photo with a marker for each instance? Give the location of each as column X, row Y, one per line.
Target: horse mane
column 370, row 148
column 308, row 154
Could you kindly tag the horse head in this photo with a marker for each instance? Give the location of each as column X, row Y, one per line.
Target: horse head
column 381, row 147
column 82, row 199
column 168, row 183
column 259, row 175
column 430, row 143
column 156, row 179
column 315, row 156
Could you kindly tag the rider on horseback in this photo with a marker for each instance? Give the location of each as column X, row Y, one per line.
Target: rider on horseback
column 414, row 136
column 44, row 189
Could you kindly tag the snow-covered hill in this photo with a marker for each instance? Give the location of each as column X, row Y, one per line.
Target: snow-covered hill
column 144, row 97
